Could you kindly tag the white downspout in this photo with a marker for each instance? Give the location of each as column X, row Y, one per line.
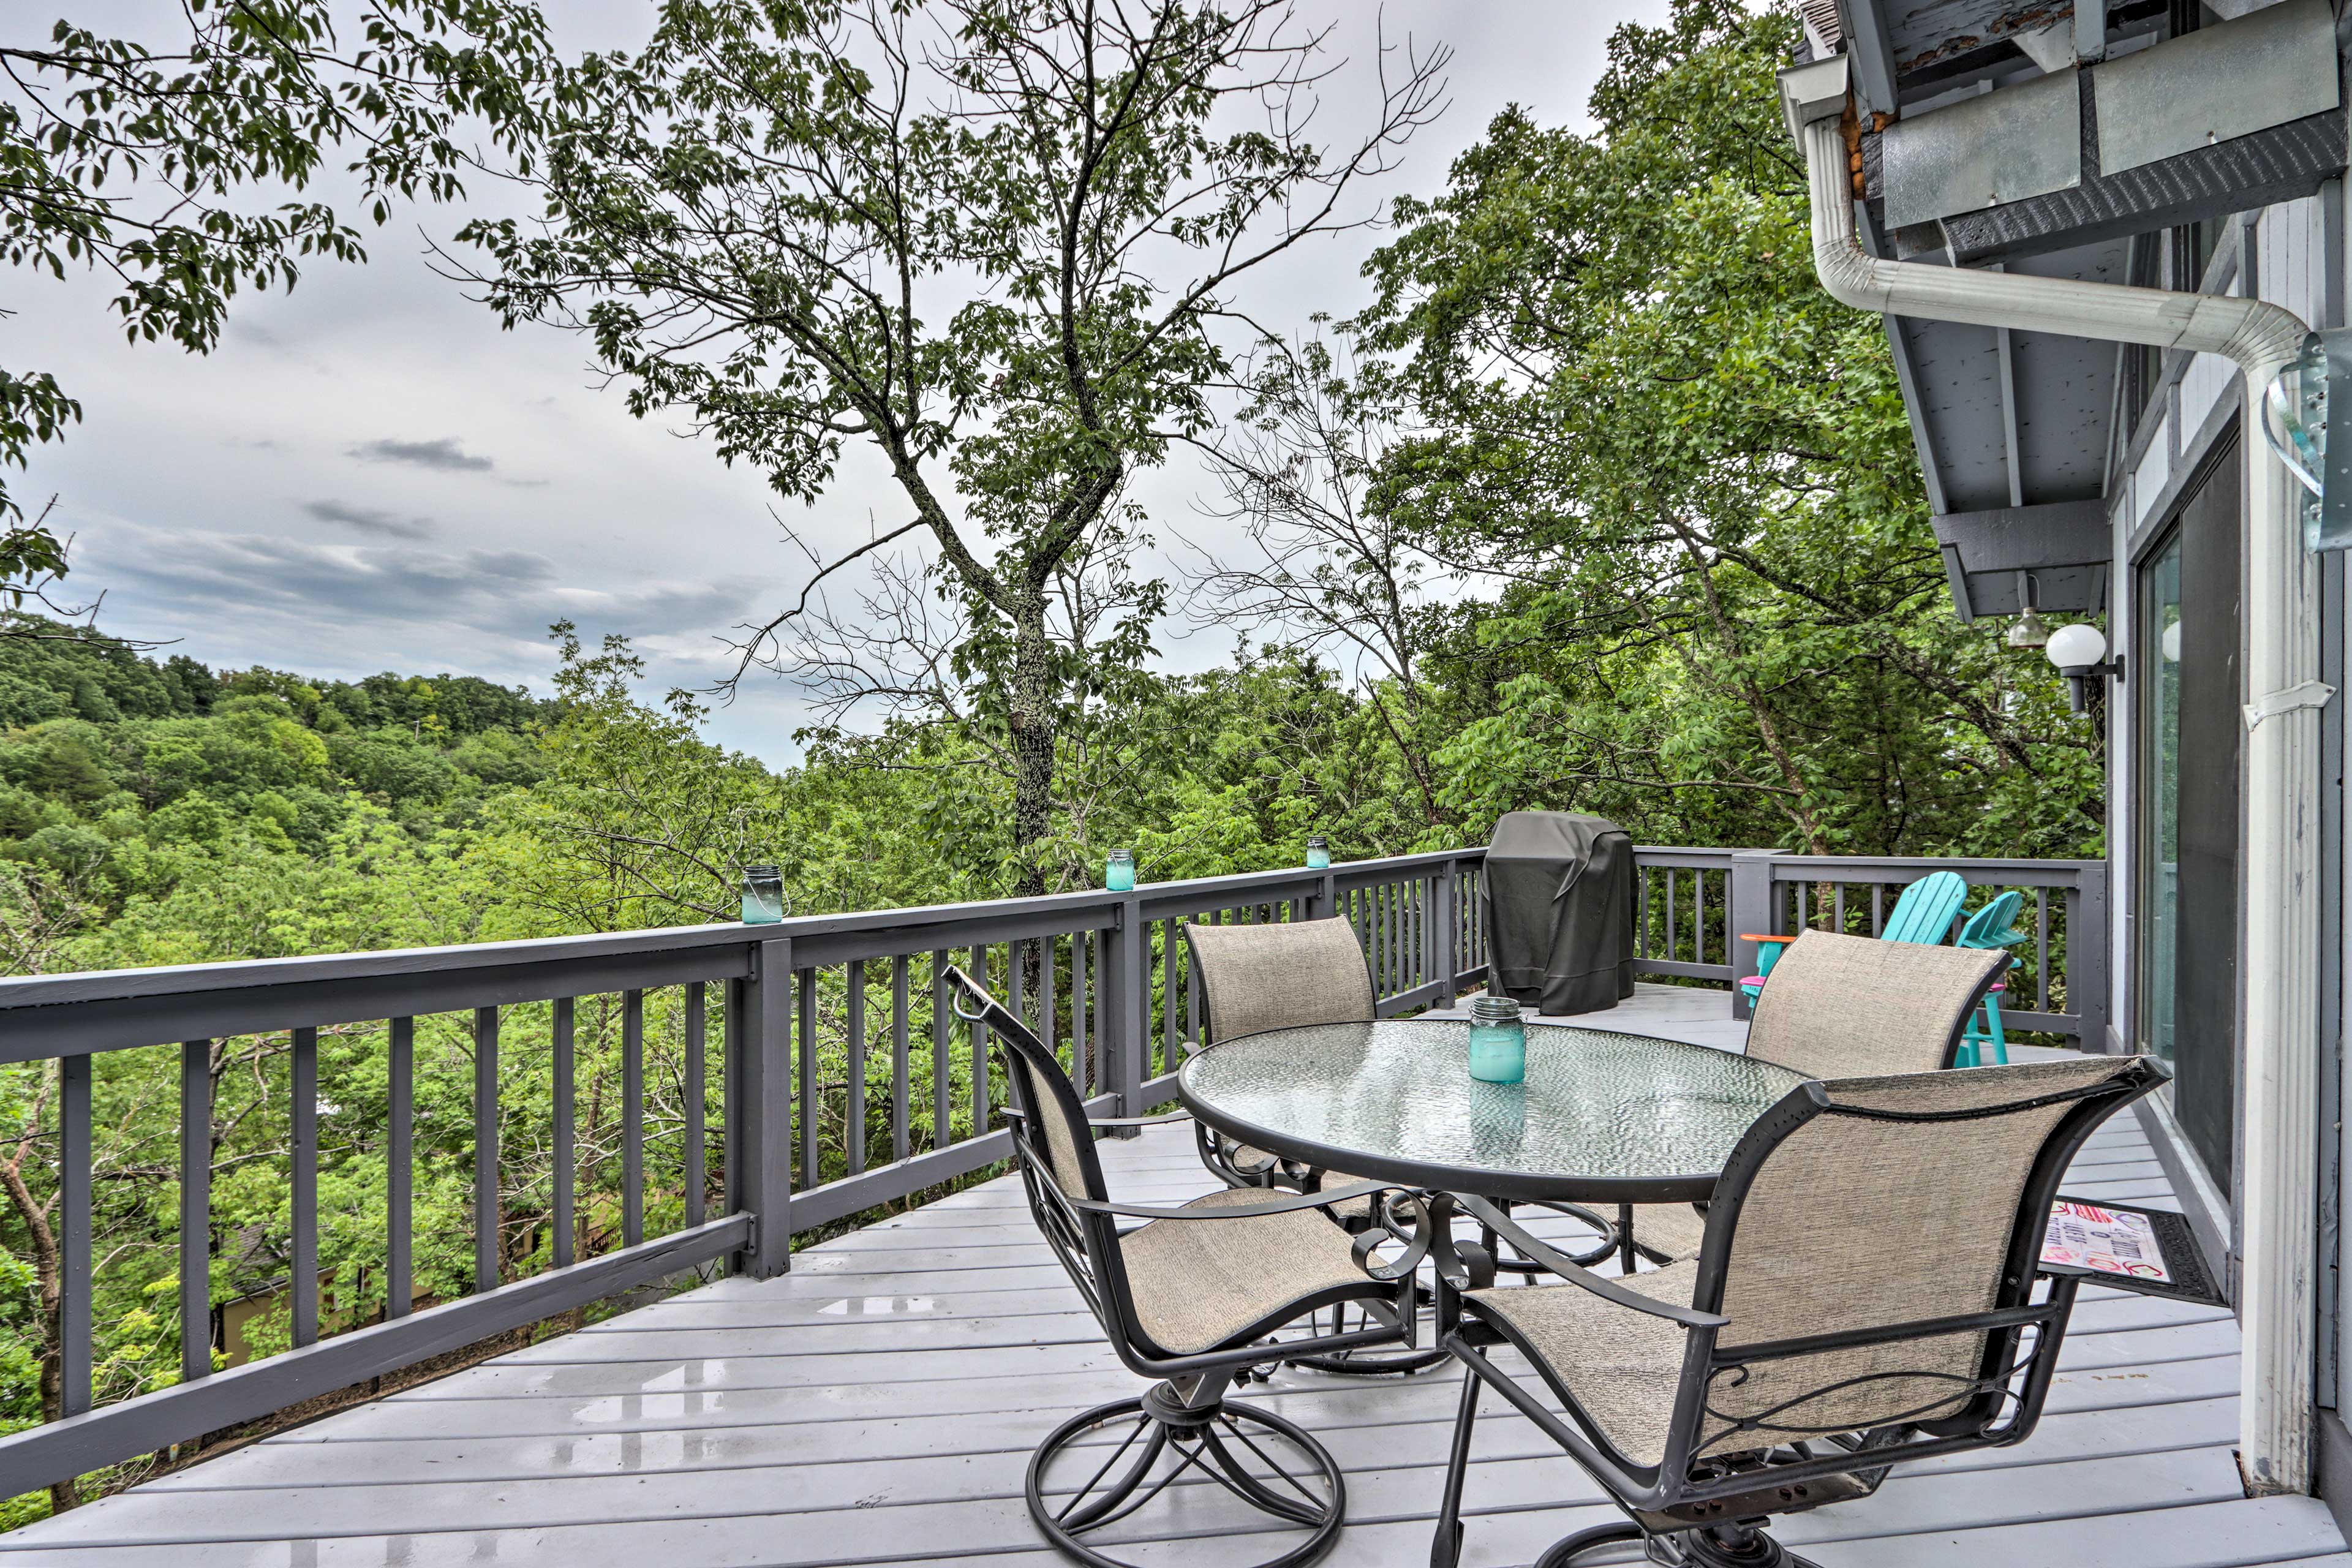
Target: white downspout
column 2278, row 1201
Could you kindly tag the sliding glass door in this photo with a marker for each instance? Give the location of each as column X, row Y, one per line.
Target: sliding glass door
column 2185, row 672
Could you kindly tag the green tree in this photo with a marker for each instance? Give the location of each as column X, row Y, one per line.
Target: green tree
column 1686, row 474
column 991, row 241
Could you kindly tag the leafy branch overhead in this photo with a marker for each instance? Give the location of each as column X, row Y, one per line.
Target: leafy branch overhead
column 153, row 161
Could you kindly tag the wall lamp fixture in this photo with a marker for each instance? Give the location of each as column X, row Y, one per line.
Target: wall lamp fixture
column 2080, row 652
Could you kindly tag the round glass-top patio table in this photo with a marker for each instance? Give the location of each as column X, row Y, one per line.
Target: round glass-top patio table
column 1601, row 1117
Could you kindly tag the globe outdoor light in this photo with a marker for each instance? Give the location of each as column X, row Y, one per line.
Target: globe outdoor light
column 2080, row 652
column 2299, row 408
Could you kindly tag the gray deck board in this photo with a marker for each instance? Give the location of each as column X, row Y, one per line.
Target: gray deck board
column 878, row 1405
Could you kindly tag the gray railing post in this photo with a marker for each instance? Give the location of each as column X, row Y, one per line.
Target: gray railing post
column 1125, row 1046
column 2087, row 946
column 1750, row 897
column 761, row 1115
column 1324, row 901
column 1445, row 940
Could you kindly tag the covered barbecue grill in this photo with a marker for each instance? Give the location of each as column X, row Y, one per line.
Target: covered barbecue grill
column 1558, row 893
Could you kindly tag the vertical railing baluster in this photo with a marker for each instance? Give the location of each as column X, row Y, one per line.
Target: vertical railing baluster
column 980, row 1048
column 942, row 1053
column 306, row 1186
column 1837, row 905
column 1016, row 981
column 196, row 1209
column 812, row 1106
column 698, row 1006
column 566, row 1155
column 1640, row 911
column 486, row 1148
column 633, row 1118
column 1079, row 940
column 853, row 1119
column 2042, row 955
column 1671, row 880
column 1877, row 908
column 1393, row 897
column 1169, row 1025
column 74, row 1155
column 899, row 1145
column 735, row 1105
column 400, row 1167
column 1046, row 997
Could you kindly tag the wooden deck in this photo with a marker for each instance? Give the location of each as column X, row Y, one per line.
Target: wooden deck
column 878, row 1406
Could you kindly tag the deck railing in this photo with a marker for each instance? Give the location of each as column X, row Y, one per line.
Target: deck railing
column 803, row 1073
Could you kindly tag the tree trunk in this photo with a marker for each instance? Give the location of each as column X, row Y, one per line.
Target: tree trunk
column 1031, row 719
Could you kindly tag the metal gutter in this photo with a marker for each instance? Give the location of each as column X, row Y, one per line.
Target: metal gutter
column 2277, row 1214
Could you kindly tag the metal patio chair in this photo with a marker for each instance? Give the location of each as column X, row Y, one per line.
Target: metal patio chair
column 1190, row 1301
column 1280, row 975
column 1844, row 1314
column 1845, row 1006
column 1288, row 974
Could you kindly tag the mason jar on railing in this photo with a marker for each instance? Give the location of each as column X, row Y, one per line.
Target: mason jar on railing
column 763, row 895
column 1499, row 1040
column 1118, row 871
column 1319, row 853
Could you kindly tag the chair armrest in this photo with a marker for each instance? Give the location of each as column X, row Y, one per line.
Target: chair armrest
column 1608, row 1290
column 1296, row 1201
column 1010, row 1114
column 1400, row 1269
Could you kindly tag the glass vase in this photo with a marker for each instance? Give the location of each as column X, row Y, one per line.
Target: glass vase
column 1499, row 1040
column 763, row 896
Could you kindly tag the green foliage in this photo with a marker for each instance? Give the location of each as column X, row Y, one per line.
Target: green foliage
column 1721, row 615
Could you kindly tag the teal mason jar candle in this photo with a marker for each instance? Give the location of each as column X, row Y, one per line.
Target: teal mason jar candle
column 1118, row 871
column 763, row 896
column 1499, row 1040
column 1319, row 853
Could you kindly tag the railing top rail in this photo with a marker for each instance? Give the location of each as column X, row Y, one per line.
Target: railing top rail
column 181, row 979
column 1965, row 865
column 1156, row 898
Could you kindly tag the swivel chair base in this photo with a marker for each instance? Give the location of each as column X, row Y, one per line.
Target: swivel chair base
column 1166, row 1440
column 1732, row 1545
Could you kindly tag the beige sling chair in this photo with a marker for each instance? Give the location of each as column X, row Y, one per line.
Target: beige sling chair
column 1190, row 1301
column 1844, row 1313
column 1289, row 974
column 1842, row 1006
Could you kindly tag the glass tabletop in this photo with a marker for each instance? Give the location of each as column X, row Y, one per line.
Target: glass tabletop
column 1601, row 1117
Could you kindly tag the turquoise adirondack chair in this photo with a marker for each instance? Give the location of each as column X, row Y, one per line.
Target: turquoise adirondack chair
column 1995, row 925
column 1924, row 914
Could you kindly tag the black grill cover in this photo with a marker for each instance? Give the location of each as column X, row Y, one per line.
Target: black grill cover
column 1559, row 901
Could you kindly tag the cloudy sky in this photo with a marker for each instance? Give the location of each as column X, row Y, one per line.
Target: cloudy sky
column 369, row 474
